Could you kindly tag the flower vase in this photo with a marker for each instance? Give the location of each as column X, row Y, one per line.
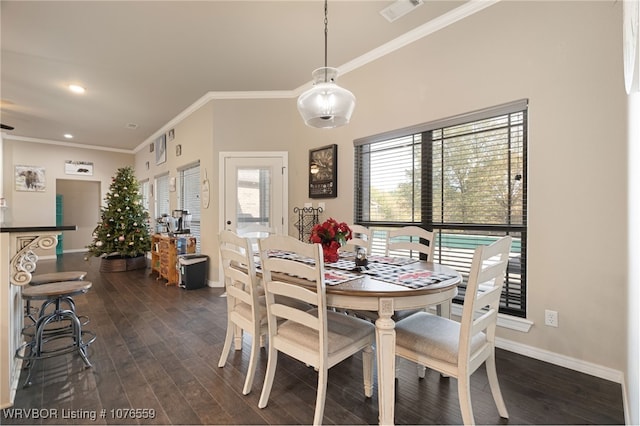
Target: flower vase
column 330, row 252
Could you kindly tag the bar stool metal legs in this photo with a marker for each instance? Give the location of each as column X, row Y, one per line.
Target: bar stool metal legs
column 48, row 278
column 58, row 332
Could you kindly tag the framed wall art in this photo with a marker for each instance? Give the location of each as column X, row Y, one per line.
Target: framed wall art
column 30, row 178
column 323, row 172
column 161, row 149
column 78, row 168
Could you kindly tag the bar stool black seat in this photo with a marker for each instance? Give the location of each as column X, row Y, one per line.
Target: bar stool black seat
column 57, row 332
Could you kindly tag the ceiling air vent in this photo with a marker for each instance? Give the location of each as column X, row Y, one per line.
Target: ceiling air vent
column 399, row 8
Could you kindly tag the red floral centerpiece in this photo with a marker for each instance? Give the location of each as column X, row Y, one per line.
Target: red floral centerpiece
column 332, row 235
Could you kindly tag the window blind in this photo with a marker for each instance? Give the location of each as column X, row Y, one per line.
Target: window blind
column 190, row 197
column 463, row 177
column 144, row 193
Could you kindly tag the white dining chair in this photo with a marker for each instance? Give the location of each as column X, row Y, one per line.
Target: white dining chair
column 318, row 337
column 361, row 236
column 405, row 241
column 409, row 239
column 457, row 349
column 246, row 310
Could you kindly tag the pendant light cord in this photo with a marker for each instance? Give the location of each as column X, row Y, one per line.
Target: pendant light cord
column 326, row 32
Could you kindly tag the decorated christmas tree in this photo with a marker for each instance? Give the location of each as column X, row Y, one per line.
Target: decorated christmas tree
column 123, row 228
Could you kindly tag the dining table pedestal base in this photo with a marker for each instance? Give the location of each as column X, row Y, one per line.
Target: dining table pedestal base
column 385, row 347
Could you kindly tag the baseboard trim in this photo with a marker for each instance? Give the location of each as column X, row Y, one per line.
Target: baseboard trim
column 215, row 284
column 520, row 324
column 561, row 360
column 575, row 364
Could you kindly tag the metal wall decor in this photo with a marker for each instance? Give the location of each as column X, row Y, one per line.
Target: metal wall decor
column 307, row 217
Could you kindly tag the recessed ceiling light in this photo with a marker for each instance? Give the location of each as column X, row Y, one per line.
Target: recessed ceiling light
column 77, row 89
column 68, row 135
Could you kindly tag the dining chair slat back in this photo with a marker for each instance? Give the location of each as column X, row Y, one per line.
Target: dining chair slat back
column 457, row 349
column 317, row 337
column 411, row 239
column 361, row 237
column 403, row 242
column 246, row 310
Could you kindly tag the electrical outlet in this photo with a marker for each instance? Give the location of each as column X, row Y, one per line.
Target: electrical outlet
column 551, row 318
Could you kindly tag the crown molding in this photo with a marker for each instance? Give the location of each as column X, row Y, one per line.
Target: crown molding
column 67, row 144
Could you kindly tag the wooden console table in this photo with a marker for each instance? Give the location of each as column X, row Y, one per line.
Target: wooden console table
column 17, row 262
column 164, row 255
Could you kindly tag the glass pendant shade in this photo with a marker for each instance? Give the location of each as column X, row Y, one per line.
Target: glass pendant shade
column 326, row 105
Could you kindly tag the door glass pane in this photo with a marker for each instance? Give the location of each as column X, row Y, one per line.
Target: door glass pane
column 253, row 211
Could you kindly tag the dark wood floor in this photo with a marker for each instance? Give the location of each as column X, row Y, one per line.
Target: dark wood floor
column 158, row 347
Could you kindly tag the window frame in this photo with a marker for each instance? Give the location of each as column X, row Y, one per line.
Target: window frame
column 514, row 299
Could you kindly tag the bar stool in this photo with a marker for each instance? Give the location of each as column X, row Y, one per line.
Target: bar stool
column 60, row 324
column 53, row 277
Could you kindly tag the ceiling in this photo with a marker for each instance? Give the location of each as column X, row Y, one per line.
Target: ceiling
column 145, row 62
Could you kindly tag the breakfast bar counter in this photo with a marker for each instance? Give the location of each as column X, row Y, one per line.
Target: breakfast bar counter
column 17, row 261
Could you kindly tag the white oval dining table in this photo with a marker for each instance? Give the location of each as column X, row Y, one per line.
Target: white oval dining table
column 370, row 294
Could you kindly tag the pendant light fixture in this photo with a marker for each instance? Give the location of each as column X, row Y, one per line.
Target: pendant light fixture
column 326, row 105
